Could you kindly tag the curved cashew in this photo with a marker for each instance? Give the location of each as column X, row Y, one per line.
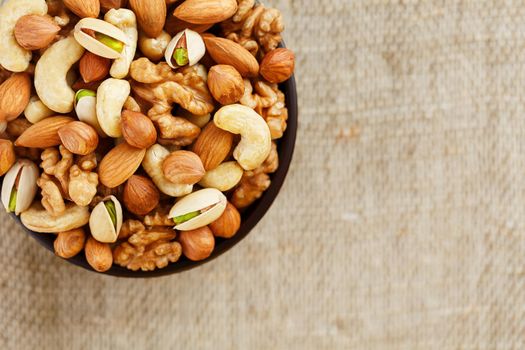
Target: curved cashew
column 152, row 163
column 12, row 56
column 224, row 177
column 256, row 140
column 111, row 96
column 38, row 219
column 51, row 74
column 126, row 21
column 36, row 110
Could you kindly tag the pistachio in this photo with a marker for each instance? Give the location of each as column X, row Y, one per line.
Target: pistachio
column 19, row 187
column 106, row 220
column 198, row 209
column 86, row 109
column 100, row 37
column 186, row 48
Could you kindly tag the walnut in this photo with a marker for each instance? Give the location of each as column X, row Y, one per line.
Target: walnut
column 129, row 228
column 58, row 168
column 255, row 27
column 269, row 102
column 187, row 87
column 132, row 105
column 146, row 249
column 52, row 199
column 159, row 217
column 175, row 131
column 88, row 162
column 82, row 185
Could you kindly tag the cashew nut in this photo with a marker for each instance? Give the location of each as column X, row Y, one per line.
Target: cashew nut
column 256, row 140
column 224, row 177
column 51, row 74
column 36, row 110
column 38, row 219
column 152, row 163
column 111, row 96
column 126, row 21
column 12, row 56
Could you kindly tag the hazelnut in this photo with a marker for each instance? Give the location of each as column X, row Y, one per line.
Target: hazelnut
column 213, row 146
column 183, row 167
column 69, row 243
column 140, row 195
column 197, row 244
column 98, row 255
column 227, row 225
column 138, row 130
column 7, row 156
column 278, row 65
column 226, row 84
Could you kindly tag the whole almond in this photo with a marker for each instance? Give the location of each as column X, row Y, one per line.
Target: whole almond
column 225, row 84
column 278, row 65
column 227, row 225
column 14, row 96
column 140, row 195
column 213, row 146
column 225, row 51
column 151, row 15
column 98, row 255
column 7, row 156
column 137, row 129
column 183, row 167
column 175, row 25
column 197, row 244
column 206, row 11
column 78, row 138
column 35, row 32
column 84, row 8
column 69, row 243
column 107, row 5
column 93, row 67
column 120, row 164
column 43, row 134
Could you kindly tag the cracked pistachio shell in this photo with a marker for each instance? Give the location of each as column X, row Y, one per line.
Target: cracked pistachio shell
column 93, row 45
column 100, row 223
column 197, row 201
column 26, row 187
column 195, row 46
column 86, row 109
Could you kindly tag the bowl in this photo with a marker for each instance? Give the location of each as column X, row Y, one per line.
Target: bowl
column 250, row 217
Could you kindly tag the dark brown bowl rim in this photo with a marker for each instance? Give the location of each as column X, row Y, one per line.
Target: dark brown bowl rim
column 250, row 217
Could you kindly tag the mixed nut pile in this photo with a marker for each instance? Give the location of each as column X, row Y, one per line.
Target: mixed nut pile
column 137, row 130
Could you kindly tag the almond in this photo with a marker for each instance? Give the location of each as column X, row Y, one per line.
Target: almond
column 43, row 134
column 7, row 156
column 120, row 164
column 14, row 96
column 225, row 51
column 175, row 25
column 278, row 65
column 93, row 67
column 84, row 8
column 98, row 255
column 79, row 138
column 183, row 167
column 107, row 5
column 227, row 225
column 35, row 32
column 225, row 83
column 151, row 15
column 206, row 11
column 137, row 129
column 140, row 195
column 213, row 146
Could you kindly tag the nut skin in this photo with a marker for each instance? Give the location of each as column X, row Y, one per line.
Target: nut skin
column 197, row 244
column 183, row 167
column 138, row 130
column 69, row 243
column 278, row 65
column 119, row 164
column 44, row 133
column 225, row 51
column 98, row 255
column 213, row 146
column 225, row 83
column 151, row 15
column 35, row 32
column 93, row 68
column 84, row 8
column 205, row 11
column 7, row 156
column 78, row 138
column 227, row 225
column 15, row 93
column 140, row 195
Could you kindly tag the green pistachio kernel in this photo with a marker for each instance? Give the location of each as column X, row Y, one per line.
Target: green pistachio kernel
column 186, row 217
column 110, row 206
column 180, row 56
column 12, row 200
column 84, row 93
column 110, row 42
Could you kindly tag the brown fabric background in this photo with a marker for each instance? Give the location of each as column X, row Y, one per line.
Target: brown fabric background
column 401, row 224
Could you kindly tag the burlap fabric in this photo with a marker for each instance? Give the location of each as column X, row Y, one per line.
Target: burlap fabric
column 401, row 224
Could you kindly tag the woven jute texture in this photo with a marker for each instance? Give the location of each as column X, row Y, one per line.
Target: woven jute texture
column 401, row 224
